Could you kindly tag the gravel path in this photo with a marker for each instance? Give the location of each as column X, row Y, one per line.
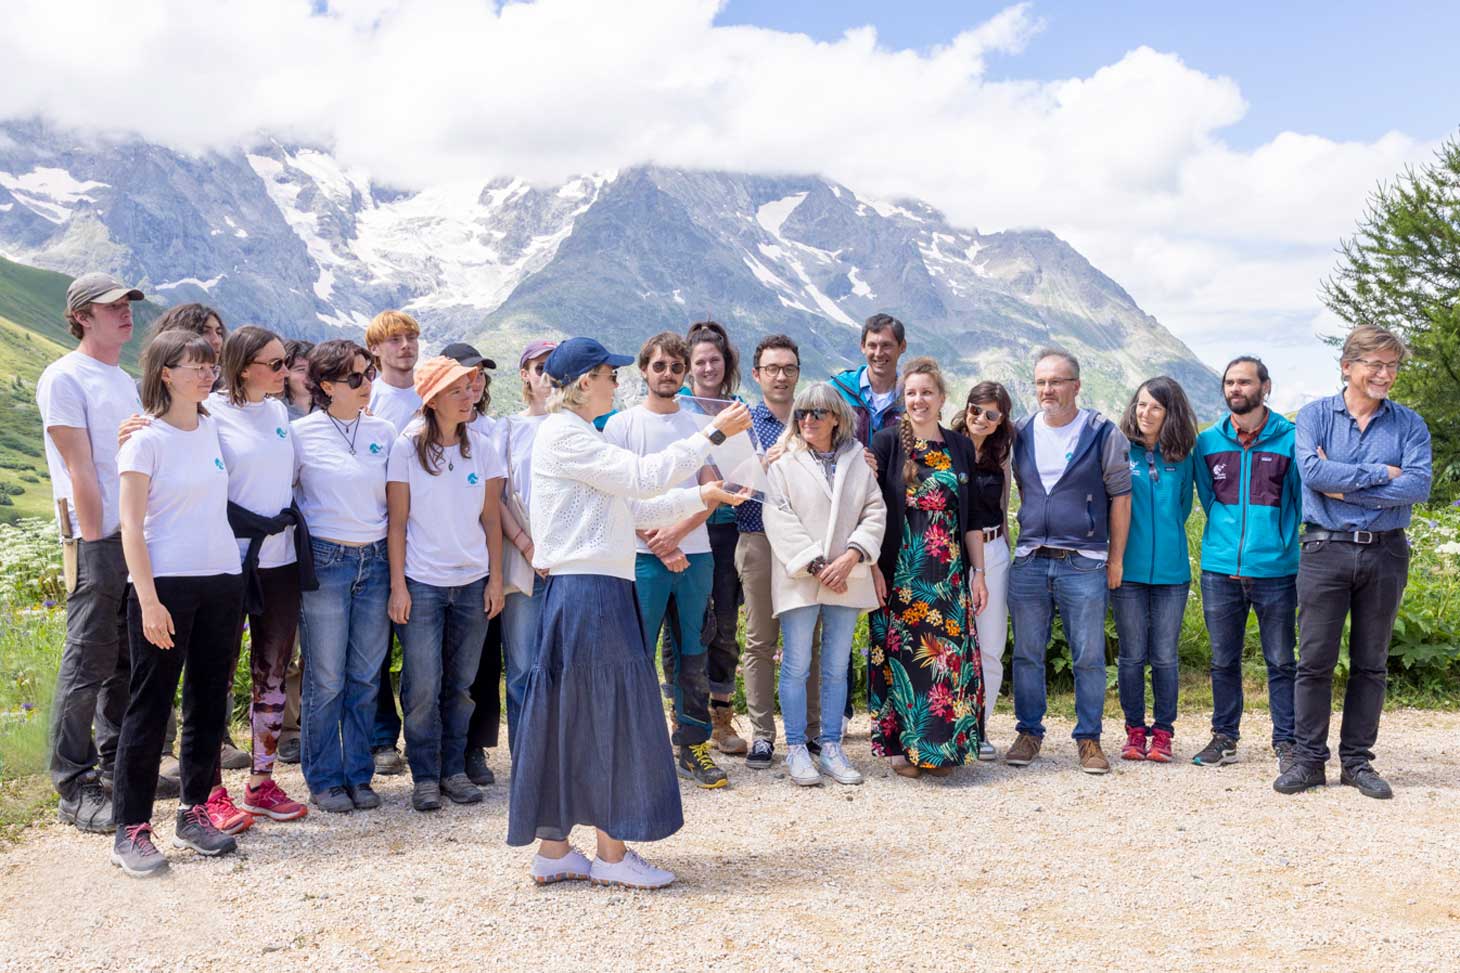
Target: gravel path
column 1154, row 867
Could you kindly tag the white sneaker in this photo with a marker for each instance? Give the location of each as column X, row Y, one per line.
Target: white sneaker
column 803, row 771
column 835, row 765
column 986, row 751
column 631, row 873
column 571, row 867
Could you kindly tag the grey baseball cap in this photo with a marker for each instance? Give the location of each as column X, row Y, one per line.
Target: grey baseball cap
column 100, row 289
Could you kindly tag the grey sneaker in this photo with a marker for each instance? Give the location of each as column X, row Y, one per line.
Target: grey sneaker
column 1367, row 780
column 363, row 796
column 1284, row 750
column 1222, row 750
column 168, row 788
column 194, row 830
column 1300, row 777
column 477, row 770
column 89, row 808
column 388, row 761
column 461, row 790
column 762, row 753
column 426, row 795
column 336, row 800
column 800, row 767
column 986, row 751
column 134, row 853
column 835, row 765
column 288, row 751
column 232, row 758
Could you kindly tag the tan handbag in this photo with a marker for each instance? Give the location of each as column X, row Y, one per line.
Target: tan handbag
column 517, row 573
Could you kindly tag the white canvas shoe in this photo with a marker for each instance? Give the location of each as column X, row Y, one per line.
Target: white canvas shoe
column 803, row 771
column 631, row 873
column 835, row 765
column 571, row 867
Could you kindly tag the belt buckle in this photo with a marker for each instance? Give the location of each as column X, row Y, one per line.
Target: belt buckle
column 1363, row 537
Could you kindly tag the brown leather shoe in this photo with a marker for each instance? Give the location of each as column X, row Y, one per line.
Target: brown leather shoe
column 1092, row 758
column 723, row 734
column 1024, row 750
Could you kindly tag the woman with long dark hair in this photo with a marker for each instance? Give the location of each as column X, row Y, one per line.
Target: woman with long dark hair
column 1156, row 576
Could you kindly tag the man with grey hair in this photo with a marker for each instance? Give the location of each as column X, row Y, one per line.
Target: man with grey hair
column 1073, row 470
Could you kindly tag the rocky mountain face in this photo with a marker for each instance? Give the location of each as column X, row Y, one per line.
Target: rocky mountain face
column 287, row 237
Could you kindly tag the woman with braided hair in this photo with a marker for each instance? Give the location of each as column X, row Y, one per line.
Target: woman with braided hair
column 925, row 682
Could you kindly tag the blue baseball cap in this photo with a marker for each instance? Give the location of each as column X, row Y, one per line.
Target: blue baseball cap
column 579, row 356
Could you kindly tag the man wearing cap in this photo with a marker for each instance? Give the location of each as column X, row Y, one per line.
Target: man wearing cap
column 83, row 398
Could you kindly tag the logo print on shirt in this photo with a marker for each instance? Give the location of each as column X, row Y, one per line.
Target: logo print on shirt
column 375, row 447
column 1219, row 471
column 218, row 462
column 280, row 433
column 472, row 478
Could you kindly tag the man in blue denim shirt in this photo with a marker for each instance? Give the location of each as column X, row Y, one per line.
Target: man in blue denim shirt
column 1365, row 462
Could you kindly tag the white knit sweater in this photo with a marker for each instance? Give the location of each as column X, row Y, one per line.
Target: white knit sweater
column 588, row 496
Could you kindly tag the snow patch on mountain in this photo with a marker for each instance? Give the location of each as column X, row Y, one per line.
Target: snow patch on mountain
column 206, row 285
column 50, row 192
column 772, row 216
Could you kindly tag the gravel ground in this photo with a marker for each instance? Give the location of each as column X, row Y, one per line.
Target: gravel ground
column 1153, row 867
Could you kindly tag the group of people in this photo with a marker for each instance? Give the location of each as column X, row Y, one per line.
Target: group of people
column 336, row 500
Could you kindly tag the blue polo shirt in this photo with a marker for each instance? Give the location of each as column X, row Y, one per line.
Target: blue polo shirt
column 1355, row 465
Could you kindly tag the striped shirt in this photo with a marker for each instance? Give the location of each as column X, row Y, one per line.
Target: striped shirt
column 1356, row 465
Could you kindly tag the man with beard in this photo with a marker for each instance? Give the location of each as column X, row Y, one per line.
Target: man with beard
column 1249, row 487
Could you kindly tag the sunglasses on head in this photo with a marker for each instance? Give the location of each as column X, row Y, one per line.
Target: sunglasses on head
column 661, row 366
column 818, row 414
column 992, row 415
column 356, row 379
column 273, row 364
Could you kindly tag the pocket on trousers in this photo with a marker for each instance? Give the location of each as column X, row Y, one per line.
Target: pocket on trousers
column 1313, row 547
column 1086, row 565
column 325, row 554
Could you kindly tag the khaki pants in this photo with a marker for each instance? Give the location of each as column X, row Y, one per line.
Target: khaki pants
column 291, row 697
column 754, row 562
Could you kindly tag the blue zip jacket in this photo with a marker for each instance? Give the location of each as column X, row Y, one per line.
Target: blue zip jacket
column 1161, row 491
column 1253, row 499
column 869, row 423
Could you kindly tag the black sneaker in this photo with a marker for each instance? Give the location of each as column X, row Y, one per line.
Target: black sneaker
column 388, row 761
column 288, row 751
column 461, row 790
column 89, row 808
column 1222, row 750
column 1300, row 777
column 1285, row 750
column 762, row 754
column 195, row 831
column 477, row 770
column 336, row 800
column 168, row 788
column 426, row 795
column 696, row 764
column 1367, row 780
column 134, row 853
column 363, row 796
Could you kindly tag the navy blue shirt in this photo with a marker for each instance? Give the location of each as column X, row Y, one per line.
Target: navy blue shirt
column 1355, row 465
column 766, row 429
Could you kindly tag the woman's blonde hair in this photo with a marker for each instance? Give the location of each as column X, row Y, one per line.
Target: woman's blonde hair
column 821, row 395
column 566, row 398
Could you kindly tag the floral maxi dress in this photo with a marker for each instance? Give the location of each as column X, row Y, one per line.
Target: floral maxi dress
column 925, row 675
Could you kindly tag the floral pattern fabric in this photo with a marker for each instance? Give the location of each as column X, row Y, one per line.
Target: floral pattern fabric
column 925, row 674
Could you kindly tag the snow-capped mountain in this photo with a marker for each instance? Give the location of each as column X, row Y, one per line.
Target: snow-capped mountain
column 287, row 237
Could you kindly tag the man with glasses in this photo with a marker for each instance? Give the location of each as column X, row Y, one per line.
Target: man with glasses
column 1073, row 470
column 674, row 561
column 1365, row 462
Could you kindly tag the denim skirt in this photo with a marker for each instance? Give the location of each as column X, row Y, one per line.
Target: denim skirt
column 592, row 747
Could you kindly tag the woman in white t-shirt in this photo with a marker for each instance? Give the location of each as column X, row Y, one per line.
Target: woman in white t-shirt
column 442, row 490
column 340, row 457
column 185, row 601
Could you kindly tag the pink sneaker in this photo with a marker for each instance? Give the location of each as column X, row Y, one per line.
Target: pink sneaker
column 1135, row 743
column 1160, row 747
column 269, row 800
column 224, row 814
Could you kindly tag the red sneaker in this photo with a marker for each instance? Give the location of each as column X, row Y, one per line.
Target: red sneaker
column 269, row 800
column 1135, row 743
column 224, row 814
column 1160, row 747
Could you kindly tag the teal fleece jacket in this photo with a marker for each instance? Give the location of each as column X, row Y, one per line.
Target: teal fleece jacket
column 1253, row 499
column 1161, row 491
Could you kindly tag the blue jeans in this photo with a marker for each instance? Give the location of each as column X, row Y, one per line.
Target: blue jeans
column 520, row 616
column 797, row 625
column 1148, row 622
column 342, row 635
column 654, row 583
column 1225, row 602
column 441, row 647
column 1075, row 586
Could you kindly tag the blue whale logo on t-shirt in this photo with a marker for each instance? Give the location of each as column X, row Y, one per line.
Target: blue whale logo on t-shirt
column 374, row 447
column 218, row 462
column 472, row 478
column 280, row 433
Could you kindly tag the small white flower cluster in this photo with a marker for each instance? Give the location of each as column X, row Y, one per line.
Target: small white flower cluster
column 30, row 564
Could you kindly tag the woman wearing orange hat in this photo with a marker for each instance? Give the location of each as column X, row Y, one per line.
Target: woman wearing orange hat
column 445, row 536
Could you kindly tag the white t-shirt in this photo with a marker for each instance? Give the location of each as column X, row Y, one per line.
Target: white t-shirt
column 341, row 494
column 260, row 460
column 521, row 431
column 645, row 433
column 1054, row 447
column 445, row 544
column 186, row 526
column 395, row 406
column 78, row 391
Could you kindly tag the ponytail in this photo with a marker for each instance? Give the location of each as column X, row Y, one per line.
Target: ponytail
column 909, row 465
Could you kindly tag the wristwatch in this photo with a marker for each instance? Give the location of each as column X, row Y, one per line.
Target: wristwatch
column 715, row 436
column 817, row 565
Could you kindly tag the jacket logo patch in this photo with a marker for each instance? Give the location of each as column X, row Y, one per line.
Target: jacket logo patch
column 1219, row 471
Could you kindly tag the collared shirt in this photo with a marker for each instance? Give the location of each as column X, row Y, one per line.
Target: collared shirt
column 1355, row 465
column 766, row 429
column 1248, row 438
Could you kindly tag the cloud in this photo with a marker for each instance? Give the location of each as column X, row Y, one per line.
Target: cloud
column 1128, row 163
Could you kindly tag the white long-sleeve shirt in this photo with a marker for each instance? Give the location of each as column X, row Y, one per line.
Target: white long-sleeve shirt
column 588, row 496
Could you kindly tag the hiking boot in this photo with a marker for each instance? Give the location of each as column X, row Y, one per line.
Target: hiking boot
column 1285, row 750
column 1222, row 750
column 574, row 866
column 1025, row 749
column 1160, row 751
column 270, row 801
column 336, row 800
column 477, row 770
column 169, row 766
column 1135, row 743
column 363, row 796
column 986, row 751
column 426, row 795
column 288, row 751
column 762, row 753
column 799, row 765
column 696, row 764
column 135, row 854
column 88, row 808
column 461, row 790
column 1367, row 780
column 835, row 765
column 632, row 873
column 168, row 789
column 1300, row 777
column 224, row 814
column 723, row 736
column 388, row 761
column 232, row 758
column 1092, row 758
column 196, row 830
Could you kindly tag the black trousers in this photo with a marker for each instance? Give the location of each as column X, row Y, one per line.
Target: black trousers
column 1362, row 583
column 486, row 691
column 205, row 613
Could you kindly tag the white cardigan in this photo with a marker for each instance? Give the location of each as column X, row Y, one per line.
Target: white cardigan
column 588, row 496
column 818, row 519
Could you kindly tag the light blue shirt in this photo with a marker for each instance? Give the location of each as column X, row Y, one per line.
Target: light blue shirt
column 1355, row 465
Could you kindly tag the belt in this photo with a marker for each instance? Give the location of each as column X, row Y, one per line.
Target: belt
column 993, row 533
column 1350, row 536
column 1058, row 553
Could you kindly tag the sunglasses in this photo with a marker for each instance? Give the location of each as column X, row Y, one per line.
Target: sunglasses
column 357, row 379
column 538, row 368
column 818, row 414
column 273, row 364
column 661, row 366
column 992, row 415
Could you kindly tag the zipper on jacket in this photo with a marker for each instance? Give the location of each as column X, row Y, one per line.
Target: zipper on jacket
column 1244, row 485
column 1090, row 514
column 1155, row 479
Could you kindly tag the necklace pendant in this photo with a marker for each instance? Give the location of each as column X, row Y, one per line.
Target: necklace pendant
column 450, row 467
column 352, row 450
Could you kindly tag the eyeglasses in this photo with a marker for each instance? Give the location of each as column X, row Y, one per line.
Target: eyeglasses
column 357, row 379
column 661, row 366
column 774, row 371
column 818, row 414
column 210, row 372
column 273, row 364
column 1392, row 367
column 1052, row 383
column 992, row 415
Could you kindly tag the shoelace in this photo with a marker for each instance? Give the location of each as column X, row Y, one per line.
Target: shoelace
column 139, row 836
column 701, row 754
